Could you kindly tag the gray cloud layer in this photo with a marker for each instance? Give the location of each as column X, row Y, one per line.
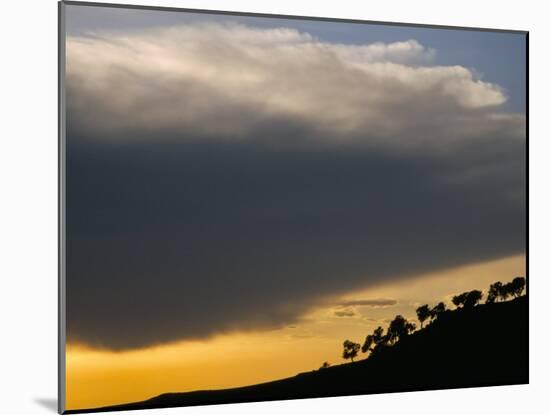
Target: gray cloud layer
column 345, row 313
column 376, row 302
column 225, row 178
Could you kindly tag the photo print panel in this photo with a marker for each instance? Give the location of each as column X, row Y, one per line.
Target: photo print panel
column 258, row 207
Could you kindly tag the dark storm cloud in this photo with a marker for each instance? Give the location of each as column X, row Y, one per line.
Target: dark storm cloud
column 185, row 240
column 179, row 230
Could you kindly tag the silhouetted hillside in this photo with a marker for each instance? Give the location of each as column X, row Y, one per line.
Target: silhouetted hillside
column 483, row 346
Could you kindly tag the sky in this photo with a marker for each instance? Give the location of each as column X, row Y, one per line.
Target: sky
column 498, row 57
column 250, row 188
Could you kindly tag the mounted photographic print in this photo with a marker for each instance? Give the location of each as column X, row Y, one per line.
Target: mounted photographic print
column 258, row 207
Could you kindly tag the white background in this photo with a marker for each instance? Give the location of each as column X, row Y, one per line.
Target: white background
column 28, row 203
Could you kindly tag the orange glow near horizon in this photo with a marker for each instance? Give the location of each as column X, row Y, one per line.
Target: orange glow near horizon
column 98, row 378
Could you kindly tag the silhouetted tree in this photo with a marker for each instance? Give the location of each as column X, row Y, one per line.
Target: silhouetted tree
column 458, row 300
column 378, row 336
column 350, row 349
column 517, row 286
column 372, row 341
column 501, row 291
column 437, row 310
column 398, row 329
column 423, row 312
column 504, row 292
column 495, row 290
column 325, row 365
column 468, row 299
column 472, row 298
column 367, row 345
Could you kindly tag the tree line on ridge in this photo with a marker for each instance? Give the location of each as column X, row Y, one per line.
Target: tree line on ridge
column 400, row 327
